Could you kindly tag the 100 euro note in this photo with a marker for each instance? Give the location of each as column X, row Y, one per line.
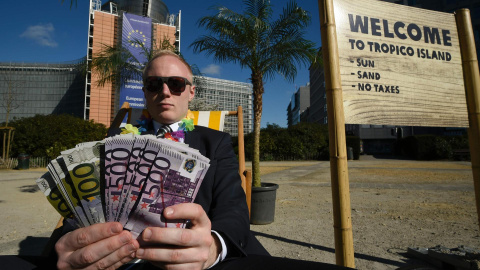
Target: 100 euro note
column 54, row 196
column 77, row 179
column 84, row 174
column 83, row 169
column 67, row 190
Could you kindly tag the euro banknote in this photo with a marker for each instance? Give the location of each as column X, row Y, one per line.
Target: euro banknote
column 125, row 178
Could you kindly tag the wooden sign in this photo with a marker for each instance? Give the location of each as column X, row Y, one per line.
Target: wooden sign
column 399, row 65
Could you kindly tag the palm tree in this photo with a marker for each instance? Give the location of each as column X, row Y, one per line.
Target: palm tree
column 116, row 64
column 264, row 46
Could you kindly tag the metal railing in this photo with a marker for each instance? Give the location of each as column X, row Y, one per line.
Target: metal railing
column 35, row 162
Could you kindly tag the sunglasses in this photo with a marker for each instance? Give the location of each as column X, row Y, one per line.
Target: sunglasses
column 176, row 84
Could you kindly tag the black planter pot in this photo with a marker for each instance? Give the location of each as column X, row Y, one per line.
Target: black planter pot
column 263, row 204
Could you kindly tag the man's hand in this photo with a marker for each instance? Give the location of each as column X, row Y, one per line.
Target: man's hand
column 172, row 248
column 99, row 246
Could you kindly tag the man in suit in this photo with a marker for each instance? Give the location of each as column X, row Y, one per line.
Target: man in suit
column 219, row 236
column 219, row 215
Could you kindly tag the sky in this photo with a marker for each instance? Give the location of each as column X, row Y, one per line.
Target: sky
column 49, row 31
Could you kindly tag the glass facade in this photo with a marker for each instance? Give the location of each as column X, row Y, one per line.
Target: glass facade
column 155, row 9
column 228, row 95
column 27, row 89
column 299, row 105
column 36, row 88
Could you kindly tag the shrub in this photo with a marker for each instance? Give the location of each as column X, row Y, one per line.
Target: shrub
column 47, row 135
column 432, row 147
column 304, row 141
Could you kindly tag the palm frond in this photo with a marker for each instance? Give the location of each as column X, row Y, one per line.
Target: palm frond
column 117, row 65
column 261, row 9
column 71, row 3
column 251, row 40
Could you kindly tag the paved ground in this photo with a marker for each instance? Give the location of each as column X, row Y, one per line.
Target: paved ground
column 395, row 204
column 291, row 176
column 27, row 217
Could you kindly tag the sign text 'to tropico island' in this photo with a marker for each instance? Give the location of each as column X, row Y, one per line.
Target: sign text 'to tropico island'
column 402, row 31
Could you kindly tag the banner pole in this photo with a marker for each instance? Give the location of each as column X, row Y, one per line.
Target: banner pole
column 471, row 78
column 342, row 224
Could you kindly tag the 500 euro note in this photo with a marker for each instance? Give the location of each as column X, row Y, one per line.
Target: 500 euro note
column 174, row 178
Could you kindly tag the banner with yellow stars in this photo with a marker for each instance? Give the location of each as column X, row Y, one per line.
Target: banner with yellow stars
column 137, row 37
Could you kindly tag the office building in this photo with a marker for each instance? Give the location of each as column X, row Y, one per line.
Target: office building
column 121, row 18
column 124, row 23
column 27, row 89
column 317, row 112
column 65, row 88
column 299, row 102
column 228, row 95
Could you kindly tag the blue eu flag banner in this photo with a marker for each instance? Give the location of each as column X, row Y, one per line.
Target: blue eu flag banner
column 136, row 32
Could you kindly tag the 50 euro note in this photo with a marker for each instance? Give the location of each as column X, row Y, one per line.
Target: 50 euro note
column 83, row 169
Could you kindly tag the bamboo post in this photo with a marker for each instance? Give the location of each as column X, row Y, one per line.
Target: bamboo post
column 248, row 183
column 344, row 253
column 246, row 176
column 471, row 79
column 241, row 145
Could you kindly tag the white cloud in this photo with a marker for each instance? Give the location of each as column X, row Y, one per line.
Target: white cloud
column 41, row 34
column 211, row 69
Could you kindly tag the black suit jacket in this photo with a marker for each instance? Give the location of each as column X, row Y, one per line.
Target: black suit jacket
column 221, row 194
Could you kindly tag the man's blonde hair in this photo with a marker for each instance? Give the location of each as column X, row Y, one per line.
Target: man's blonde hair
column 164, row 53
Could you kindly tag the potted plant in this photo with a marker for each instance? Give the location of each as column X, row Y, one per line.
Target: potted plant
column 279, row 45
column 263, row 203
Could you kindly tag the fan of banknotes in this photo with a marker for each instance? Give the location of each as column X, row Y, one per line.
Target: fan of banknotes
column 126, row 178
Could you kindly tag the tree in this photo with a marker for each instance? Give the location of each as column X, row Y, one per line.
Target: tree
column 10, row 93
column 200, row 104
column 9, row 102
column 117, row 64
column 264, row 46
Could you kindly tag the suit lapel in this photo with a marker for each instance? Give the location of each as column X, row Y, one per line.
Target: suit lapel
column 150, row 130
column 192, row 138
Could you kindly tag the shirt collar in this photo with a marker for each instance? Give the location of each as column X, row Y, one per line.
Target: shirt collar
column 174, row 126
